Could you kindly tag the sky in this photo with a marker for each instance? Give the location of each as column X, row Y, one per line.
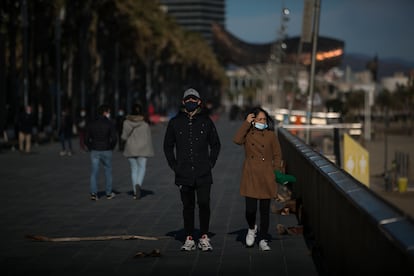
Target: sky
column 370, row 27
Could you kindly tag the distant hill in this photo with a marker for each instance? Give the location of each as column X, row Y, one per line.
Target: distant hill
column 386, row 68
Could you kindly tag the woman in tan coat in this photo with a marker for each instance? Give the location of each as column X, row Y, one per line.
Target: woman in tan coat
column 138, row 146
column 262, row 158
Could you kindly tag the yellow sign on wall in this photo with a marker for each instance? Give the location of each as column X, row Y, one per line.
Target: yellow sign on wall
column 356, row 160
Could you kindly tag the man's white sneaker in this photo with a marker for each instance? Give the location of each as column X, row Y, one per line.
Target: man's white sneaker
column 264, row 246
column 251, row 235
column 189, row 244
column 204, row 243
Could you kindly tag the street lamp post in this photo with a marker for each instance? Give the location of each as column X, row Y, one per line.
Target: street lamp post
column 273, row 67
column 313, row 65
column 306, row 37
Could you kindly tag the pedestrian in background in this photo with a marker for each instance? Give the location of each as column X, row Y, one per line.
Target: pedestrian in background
column 66, row 132
column 101, row 139
column 81, row 128
column 262, row 157
column 25, row 127
column 136, row 134
column 191, row 147
column 120, row 118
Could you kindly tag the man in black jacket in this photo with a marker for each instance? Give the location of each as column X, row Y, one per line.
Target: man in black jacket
column 194, row 137
column 101, row 138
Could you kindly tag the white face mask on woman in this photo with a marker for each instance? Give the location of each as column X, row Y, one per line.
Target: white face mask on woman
column 260, row 126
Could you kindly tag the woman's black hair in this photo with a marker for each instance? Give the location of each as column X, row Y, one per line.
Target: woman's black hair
column 269, row 120
column 137, row 109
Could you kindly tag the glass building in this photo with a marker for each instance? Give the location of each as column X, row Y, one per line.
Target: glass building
column 197, row 15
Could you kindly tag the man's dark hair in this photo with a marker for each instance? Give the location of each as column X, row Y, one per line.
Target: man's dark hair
column 103, row 108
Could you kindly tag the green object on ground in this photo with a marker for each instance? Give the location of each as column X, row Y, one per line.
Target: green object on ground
column 283, row 178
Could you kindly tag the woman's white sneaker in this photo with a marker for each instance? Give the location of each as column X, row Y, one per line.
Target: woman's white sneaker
column 264, row 246
column 204, row 243
column 251, row 235
column 189, row 244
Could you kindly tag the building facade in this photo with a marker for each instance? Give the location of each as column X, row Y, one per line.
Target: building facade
column 197, row 15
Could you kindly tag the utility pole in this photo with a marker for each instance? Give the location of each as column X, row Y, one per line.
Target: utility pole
column 273, row 67
column 313, row 65
column 306, row 37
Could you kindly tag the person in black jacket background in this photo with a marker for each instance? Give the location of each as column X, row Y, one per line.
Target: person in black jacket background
column 66, row 132
column 101, row 138
column 25, row 126
column 197, row 145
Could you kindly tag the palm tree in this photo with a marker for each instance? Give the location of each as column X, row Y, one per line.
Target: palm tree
column 354, row 103
column 129, row 49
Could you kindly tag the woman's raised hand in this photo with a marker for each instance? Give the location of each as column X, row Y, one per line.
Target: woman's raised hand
column 250, row 118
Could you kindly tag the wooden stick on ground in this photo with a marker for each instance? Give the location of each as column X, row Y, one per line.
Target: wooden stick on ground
column 94, row 238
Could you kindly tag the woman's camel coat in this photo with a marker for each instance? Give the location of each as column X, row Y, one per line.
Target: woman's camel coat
column 262, row 157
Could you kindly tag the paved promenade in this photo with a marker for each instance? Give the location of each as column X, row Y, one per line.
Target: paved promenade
column 46, row 194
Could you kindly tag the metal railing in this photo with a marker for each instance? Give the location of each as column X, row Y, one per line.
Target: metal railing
column 349, row 228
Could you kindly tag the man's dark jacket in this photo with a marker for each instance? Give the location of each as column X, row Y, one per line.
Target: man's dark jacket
column 197, row 146
column 101, row 134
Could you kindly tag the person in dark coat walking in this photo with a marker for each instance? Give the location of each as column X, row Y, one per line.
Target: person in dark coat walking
column 101, row 138
column 191, row 147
